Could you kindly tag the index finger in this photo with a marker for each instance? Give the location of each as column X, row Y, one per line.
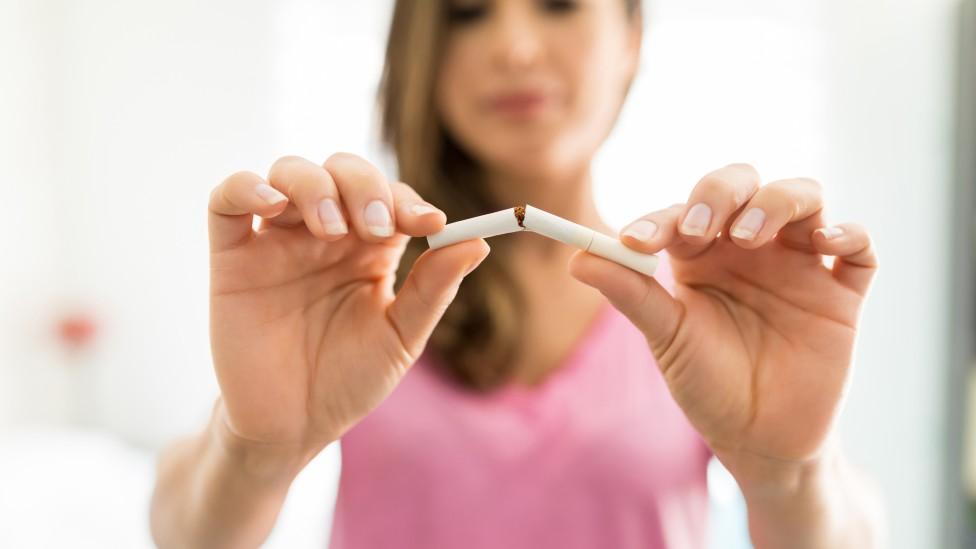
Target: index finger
column 233, row 204
column 366, row 194
column 414, row 215
column 714, row 199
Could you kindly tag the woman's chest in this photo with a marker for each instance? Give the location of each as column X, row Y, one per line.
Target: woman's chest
column 606, row 427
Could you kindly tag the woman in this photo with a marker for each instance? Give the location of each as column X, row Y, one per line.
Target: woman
column 554, row 398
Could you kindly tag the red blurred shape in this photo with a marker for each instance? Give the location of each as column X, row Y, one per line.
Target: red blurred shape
column 76, row 330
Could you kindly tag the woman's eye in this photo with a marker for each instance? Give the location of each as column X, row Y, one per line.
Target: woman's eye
column 560, row 6
column 466, row 14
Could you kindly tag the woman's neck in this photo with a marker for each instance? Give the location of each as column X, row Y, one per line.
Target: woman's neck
column 557, row 308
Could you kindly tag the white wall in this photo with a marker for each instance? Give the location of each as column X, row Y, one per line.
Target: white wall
column 147, row 105
column 891, row 158
column 124, row 114
column 29, row 279
column 165, row 99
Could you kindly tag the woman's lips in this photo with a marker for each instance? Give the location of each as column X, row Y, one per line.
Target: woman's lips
column 518, row 104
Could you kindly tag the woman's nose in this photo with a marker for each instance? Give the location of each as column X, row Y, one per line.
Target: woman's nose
column 517, row 43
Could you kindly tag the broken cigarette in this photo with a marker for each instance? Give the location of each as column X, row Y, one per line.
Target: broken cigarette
column 542, row 222
column 483, row 226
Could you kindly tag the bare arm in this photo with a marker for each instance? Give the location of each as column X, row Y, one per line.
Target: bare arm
column 824, row 503
column 215, row 490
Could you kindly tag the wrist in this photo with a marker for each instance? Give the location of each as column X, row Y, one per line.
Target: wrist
column 258, row 461
column 791, row 503
column 774, row 481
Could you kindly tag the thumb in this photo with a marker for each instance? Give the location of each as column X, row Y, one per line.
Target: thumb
column 429, row 288
column 640, row 298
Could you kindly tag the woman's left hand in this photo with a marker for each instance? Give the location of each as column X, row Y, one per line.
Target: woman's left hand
column 757, row 342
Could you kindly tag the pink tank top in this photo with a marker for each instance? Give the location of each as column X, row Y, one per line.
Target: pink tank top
column 598, row 455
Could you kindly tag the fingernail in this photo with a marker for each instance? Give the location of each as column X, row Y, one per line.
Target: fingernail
column 377, row 217
column 331, row 217
column 697, row 220
column 269, row 194
column 750, row 224
column 831, row 232
column 641, row 229
column 422, row 209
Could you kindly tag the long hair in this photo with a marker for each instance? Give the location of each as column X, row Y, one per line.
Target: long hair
column 479, row 335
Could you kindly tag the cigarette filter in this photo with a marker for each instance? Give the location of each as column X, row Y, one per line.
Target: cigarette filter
column 596, row 243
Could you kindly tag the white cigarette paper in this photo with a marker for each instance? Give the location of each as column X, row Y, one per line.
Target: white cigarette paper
column 596, row 243
column 483, row 226
column 549, row 225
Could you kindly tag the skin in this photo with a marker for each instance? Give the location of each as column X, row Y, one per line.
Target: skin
column 290, row 300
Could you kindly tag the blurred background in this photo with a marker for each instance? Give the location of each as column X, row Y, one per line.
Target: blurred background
column 117, row 117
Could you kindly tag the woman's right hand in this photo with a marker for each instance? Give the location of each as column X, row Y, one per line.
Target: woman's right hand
column 306, row 334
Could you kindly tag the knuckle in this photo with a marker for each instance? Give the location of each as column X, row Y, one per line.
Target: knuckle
column 801, row 186
column 236, row 183
column 233, row 183
column 747, row 178
column 340, row 159
column 237, row 178
column 720, row 190
column 284, row 166
column 351, row 167
column 806, row 192
column 777, row 194
column 401, row 189
column 745, row 167
column 813, row 184
column 743, row 193
column 857, row 229
column 748, row 171
column 713, row 184
column 404, row 194
column 286, row 160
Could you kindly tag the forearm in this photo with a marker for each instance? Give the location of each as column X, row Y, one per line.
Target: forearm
column 213, row 492
column 821, row 504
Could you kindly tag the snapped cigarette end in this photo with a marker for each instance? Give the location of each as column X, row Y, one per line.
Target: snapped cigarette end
column 483, row 226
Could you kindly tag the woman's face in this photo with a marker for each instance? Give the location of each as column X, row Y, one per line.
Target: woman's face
column 532, row 87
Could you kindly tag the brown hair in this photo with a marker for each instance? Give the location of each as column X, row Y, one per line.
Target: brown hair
column 479, row 335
